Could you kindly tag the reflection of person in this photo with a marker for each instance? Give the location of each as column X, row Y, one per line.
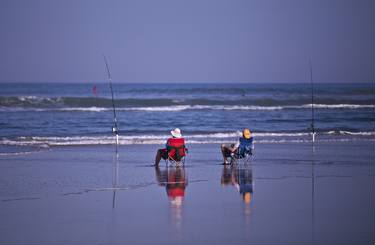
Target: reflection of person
column 227, row 175
column 241, row 177
column 244, row 181
column 175, row 181
column 176, row 145
column 242, row 146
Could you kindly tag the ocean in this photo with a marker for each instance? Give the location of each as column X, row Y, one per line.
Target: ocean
column 57, row 114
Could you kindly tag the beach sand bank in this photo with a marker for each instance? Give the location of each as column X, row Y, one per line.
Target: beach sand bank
column 287, row 195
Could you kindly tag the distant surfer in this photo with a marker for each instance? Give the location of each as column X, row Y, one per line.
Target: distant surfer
column 244, row 143
column 176, row 142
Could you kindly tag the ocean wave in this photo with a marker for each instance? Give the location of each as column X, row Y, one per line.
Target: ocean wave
column 161, row 104
column 342, row 132
column 188, row 107
column 338, row 106
column 146, row 109
column 93, row 142
column 19, row 153
column 223, row 137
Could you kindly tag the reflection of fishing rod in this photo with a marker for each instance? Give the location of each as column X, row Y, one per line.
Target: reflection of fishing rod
column 312, row 104
column 313, row 198
column 114, row 179
column 114, row 128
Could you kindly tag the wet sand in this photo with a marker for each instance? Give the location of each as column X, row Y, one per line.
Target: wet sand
column 286, row 195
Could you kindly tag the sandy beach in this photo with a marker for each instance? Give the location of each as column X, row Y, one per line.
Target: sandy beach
column 77, row 195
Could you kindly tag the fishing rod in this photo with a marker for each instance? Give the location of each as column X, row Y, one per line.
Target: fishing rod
column 312, row 104
column 115, row 131
column 313, row 159
column 114, row 128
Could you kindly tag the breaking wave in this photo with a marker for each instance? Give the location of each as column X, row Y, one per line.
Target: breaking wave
column 35, row 103
column 189, row 107
column 262, row 137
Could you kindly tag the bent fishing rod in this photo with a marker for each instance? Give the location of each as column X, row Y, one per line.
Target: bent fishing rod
column 115, row 131
column 114, row 128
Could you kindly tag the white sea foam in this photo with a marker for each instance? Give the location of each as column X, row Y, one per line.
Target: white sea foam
column 93, row 108
column 223, row 137
column 358, row 133
column 281, row 134
column 235, row 107
column 175, row 108
column 342, row 132
column 20, row 153
column 81, row 142
column 157, row 108
column 336, row 106
column 26, row 98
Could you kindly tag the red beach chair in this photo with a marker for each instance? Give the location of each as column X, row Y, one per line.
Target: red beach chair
column 176, row 151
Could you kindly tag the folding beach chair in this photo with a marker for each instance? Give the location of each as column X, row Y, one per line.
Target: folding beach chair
column 243, row 153
column 176, row 151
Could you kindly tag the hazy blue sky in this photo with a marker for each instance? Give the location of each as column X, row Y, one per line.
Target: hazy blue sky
column 187, row 41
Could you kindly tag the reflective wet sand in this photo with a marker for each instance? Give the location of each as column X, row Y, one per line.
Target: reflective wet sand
column 286, row 195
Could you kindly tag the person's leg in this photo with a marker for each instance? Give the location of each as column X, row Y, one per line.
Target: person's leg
column 158, row 157
column 224, row 152
column 160, row 154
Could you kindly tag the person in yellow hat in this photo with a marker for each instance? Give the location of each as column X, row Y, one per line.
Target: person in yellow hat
column 244, row 144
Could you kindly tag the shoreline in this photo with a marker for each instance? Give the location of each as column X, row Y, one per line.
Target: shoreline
column 41, row 143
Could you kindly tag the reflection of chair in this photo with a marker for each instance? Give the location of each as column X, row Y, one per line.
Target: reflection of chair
column 176, row 184
column 175, row 181
column 241, row 177
column 244, row 151
column 176, row 151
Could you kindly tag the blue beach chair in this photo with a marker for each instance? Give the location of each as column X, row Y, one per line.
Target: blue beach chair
column 244, row 151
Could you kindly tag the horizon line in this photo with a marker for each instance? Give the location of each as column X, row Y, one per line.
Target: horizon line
column 183, row 82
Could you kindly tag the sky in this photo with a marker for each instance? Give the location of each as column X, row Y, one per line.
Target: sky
column 187, row 41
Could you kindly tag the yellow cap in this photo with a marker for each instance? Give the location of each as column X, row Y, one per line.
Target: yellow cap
column 246, row 133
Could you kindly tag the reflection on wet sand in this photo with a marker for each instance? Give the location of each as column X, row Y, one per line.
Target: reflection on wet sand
column 175, row 181
column 241, row 177
column 115, row 176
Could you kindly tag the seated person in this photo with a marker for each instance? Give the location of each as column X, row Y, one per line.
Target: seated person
column 243, row 145
column 172, row 143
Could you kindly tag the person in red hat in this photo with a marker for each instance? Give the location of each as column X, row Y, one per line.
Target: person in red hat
column 175, row 147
